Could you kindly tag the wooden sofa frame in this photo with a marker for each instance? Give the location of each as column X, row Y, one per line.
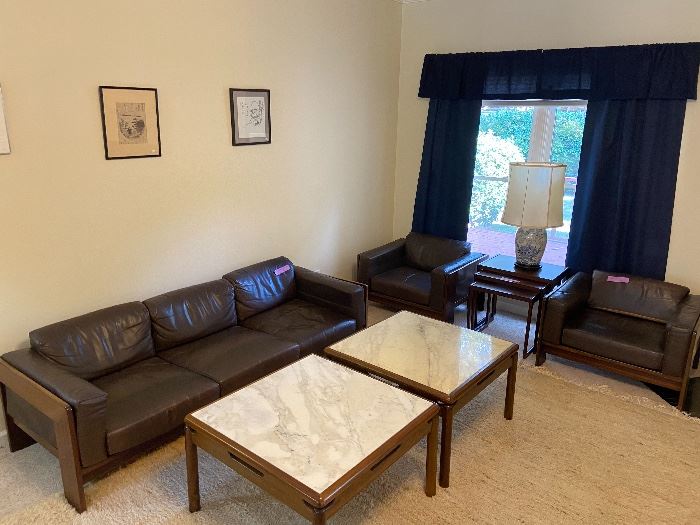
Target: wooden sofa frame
column 60, row 413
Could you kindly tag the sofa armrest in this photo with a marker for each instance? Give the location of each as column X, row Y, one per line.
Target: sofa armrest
column 346, row 297
column 88, row 402
column 680, row 332
column 449, row 283
column 379, row 260
column 563, row 303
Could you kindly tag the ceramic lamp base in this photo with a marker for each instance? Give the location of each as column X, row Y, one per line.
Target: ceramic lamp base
column 529, row 247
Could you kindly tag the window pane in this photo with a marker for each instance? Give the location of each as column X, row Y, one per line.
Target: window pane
column 504, row 137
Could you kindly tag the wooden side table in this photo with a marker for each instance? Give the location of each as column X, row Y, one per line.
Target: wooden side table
column 499, row 277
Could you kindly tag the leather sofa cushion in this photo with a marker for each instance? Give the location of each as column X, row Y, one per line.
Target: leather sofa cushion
column 97, row 343
column 262, row 286
column 404, row 283
column 427, row 252
column 627, row 339
column 234, row 357
column 187, row 314
column 314, row 327
column 640, row 297
column 151, row 398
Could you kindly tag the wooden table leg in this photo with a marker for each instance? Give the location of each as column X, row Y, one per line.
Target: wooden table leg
column 319, row 517
column 527, row 330
column 192, row 472
column 510, row 388
column 431, row 459
column 470, row 309
column 494, row 300
column 446, row 411
column 540, row 317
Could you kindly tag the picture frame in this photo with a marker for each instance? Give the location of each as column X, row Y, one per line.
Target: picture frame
column 130, row 122
column 4, row 137
column 250, row 116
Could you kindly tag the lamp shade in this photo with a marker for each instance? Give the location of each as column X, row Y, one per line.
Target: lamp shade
column 535, row 195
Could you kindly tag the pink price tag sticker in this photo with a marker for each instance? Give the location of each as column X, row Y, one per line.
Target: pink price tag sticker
column 618, row 279
column 282, row 269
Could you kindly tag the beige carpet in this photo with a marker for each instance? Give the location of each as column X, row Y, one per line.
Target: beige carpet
column 570, row 455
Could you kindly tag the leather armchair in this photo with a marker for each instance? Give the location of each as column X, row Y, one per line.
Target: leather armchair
column 423, row 273
column 641, row 328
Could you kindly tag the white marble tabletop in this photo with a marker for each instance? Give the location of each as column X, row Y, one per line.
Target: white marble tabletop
column 428, row 352
column 314, row 420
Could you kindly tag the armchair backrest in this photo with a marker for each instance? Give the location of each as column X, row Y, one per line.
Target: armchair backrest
column 636, row 296
column 190, row 313
column 262, row 286
column 427, row 252
column 97, row 343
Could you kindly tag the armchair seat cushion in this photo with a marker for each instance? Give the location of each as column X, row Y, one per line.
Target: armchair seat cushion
column 627, row 339
column 234, row 357
column 150, row 398
column 312, row 326
column 404, row 282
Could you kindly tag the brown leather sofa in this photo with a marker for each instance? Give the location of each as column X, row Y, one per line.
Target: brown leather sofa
column 644, row 329
column 100, row 389
column 427, row 274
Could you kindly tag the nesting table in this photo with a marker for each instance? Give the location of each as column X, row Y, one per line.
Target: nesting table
column 312, row 434
column 441, row 362
column 500, row 277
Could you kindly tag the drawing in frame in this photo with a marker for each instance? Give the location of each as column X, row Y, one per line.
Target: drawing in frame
column 4, row 139
column 130, row 122
column 250, row 116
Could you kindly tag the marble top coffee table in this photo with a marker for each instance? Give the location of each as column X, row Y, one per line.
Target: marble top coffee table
column 312, row 434
column 439, row 361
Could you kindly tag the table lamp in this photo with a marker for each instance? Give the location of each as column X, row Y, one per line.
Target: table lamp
column 535, row 201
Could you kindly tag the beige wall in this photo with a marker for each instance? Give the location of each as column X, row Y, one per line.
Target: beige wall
column 446, row 26
column 78, row 232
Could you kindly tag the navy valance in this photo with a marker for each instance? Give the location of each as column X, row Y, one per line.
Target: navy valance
column 650, row 71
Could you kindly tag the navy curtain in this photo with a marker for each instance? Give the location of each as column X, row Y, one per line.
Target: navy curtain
column 626, row 186
column 447, row 168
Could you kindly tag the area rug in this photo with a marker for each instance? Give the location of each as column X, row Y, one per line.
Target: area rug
column 570, row 455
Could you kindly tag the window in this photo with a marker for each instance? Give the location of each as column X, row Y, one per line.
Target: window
column 537, row 131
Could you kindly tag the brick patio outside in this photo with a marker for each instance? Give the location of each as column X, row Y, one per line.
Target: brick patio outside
column 492, row 242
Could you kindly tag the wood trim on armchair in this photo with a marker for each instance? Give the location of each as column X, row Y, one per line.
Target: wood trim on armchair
column 400, row 304
column 679, row 384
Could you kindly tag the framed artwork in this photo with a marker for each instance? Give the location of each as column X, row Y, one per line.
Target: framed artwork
column 250, row 116
column 130, row 122
column 4, row 139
